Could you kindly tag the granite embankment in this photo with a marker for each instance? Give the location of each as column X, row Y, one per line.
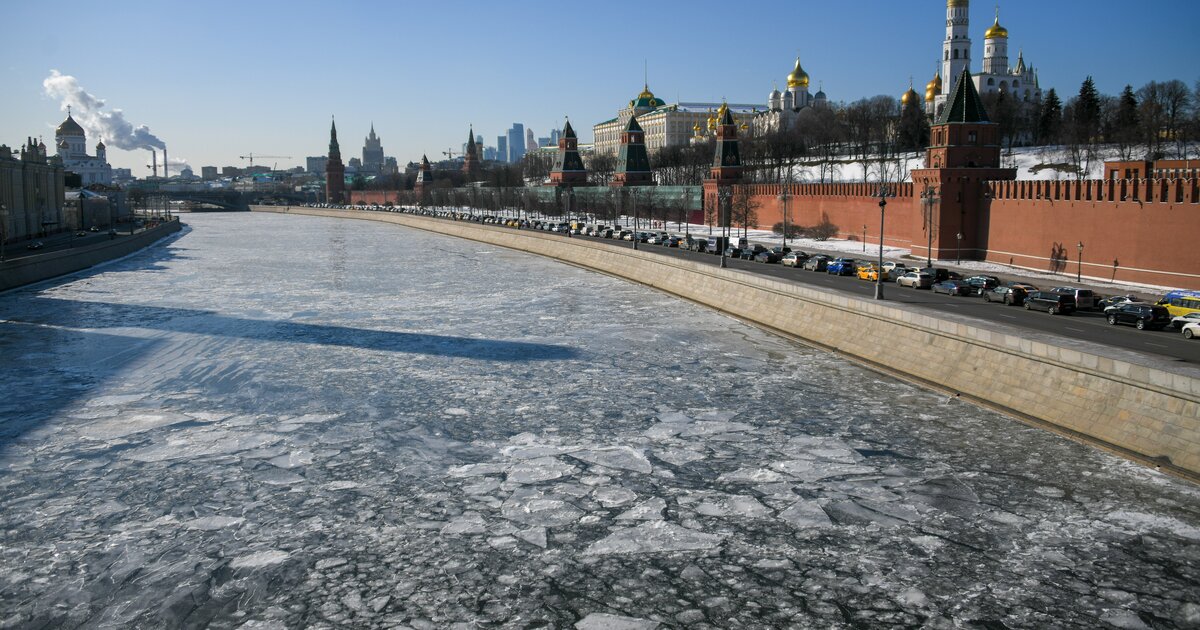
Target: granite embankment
column 1143, row 408
column 29, row 269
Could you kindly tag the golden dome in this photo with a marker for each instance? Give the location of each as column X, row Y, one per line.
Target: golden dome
column 721, row 112
column 909, row 97
column 798, row 77
column 957, row 3
column 934, row 87
column 996, row 30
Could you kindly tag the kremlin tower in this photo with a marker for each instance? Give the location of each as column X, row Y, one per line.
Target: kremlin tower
column 335, row 171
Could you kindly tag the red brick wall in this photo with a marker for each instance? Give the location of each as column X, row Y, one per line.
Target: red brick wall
column 1150, row 229
column 848, row 206
column 379, row 197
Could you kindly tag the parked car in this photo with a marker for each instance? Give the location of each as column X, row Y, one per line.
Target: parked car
column 1029, row 288
column 672, row 241
column 1051, row 302
column 733, row 251
column 1014, row 296
column 767, row 256
column 817, row 263
column 781, row 251
column 979, row 284
column 1142, row 316
column 938, row 273
column 952, row 287
column 869, row 272
column 1184, row 320
column 1191, row 331
column 35, row 245
column 842, row 267
column 794, row 259
column 895, row 267
column 916, row 280
column 1085, row 299
column 748, row 253
column 699, row 245
column 1117, row 300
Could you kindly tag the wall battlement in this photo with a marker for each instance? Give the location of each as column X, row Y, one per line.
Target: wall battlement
column 1146, row 191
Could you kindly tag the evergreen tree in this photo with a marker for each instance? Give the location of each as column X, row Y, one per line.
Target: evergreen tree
column 1087, row 112
column 1050, row 119
column 914, row 128
column 1126, row 123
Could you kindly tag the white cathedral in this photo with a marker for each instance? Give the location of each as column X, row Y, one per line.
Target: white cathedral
column 71, row 143
column 784, row 107
column 1019, row 81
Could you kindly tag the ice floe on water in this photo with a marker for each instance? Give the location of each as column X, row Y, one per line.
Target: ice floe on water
column 239, row 431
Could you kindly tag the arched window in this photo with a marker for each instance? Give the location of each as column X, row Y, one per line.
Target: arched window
column 991, row 81
column 947, row 55
column 956, row 53
column 1016, row 83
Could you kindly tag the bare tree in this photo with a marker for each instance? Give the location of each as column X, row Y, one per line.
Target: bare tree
column 600, row 167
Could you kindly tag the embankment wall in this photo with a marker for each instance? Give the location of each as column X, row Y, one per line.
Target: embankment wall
column 29, row 269
column 1122, row 401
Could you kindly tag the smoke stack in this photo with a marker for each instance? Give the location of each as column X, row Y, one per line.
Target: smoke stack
column 154, row 162
column 165, row 163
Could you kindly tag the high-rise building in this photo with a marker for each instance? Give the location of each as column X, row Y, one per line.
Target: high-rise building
column 555, row 134
column 502, row 148
column 372, row 153
column 210, row 172
column 530, row 140
column 516, row 143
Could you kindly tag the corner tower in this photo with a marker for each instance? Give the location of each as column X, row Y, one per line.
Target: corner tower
column 335, row 171
column 471, row 158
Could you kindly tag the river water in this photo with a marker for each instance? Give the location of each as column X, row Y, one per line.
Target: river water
column 283, row 421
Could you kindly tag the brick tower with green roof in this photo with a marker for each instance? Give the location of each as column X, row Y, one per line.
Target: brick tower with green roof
column 963, row 154
column 335, row 171
column 471, row 158
column 633, row 164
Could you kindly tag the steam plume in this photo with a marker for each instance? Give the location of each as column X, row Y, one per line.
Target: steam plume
column 111, row 126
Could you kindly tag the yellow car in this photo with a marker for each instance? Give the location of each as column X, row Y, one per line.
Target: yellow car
column 869, row 272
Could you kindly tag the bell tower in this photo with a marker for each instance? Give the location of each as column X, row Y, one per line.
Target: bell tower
column 963, row 154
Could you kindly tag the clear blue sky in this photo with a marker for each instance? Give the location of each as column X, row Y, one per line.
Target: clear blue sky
column 215, row 80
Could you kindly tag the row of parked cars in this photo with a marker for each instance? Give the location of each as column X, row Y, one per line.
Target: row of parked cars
column 1178, row 309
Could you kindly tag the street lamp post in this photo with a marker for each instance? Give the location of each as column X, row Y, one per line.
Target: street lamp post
column 634, row 196
column 883, row 195
column 958, row 248
column 1079, row 269
column 929, row 197
column 864, row 237
column 784, row 198
column 723, row 197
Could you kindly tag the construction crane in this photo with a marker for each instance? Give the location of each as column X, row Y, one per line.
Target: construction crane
column 450, row 153
column 252, row 156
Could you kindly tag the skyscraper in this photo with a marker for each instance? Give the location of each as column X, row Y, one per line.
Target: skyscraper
column 372, row 153
column 502, row 148
column 516, row 143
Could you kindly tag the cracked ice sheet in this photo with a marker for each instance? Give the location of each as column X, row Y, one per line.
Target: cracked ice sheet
column 235, row 430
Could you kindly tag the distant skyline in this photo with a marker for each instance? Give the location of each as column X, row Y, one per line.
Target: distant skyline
column 223, row 79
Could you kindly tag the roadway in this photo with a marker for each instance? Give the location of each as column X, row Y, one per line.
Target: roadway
column 1085, row 327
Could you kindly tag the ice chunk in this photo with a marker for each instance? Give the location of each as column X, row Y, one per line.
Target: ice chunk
column 534, row 536
column 805, row 514
column 678, row 456
column 469, row 523
column 329, row 563
column 279, row 477
column 751, row 475
column 540, row 469
column 341, row 484
column 197, row 443
column 1139, row 521
column 259, row 559
column 124, row 425
column 741, row 506
column 622, row 457
column 528, row 506
column 455, row 411
column 613, row 496
column 476, row 470
column 885, row 514
column 213, row 523
column 712, row 428
column 912, row 597
column 654, row 537
column 293, row 459
column 605, row 621
column 648, row 510
column 1124, row 619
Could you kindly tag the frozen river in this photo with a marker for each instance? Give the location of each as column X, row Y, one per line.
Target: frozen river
column 284, row 421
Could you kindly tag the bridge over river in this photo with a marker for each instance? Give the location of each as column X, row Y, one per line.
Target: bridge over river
column 292, row 421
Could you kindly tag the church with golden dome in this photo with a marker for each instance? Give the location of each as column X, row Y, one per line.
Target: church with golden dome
column 783, row 108
column 996, row 76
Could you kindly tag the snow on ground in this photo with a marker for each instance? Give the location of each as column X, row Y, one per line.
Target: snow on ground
column 287, row 421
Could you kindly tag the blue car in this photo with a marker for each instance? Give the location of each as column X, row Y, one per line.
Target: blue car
column 842, row 267
column 953, row 287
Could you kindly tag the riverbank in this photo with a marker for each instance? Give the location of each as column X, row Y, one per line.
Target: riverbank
column 30, row 269
column 1131, row 404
